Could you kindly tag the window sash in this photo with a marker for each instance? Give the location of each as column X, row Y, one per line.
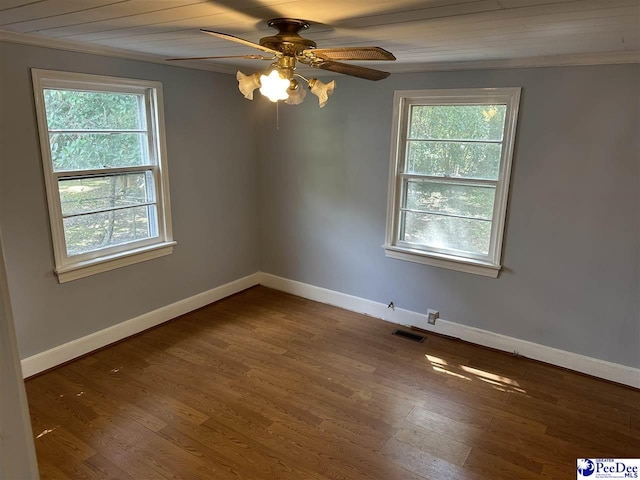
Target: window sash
column 64, row 174
column 452, row 140
column 115, row 209
column 452, row 180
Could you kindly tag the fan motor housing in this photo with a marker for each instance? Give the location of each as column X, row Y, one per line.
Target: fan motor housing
column 287, row 40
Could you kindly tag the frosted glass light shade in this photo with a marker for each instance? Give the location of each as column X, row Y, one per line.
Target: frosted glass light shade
column 322, row 90
column 248, row 83
column 274, row 87
column 296, row 96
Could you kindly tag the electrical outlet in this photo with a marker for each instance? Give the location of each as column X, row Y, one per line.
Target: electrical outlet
column 433, row 316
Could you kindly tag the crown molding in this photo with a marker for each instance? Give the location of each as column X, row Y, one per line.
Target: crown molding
column 582, row 59
column 71, row 46
column 606, row 58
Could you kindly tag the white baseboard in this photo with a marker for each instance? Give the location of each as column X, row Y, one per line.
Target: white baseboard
column 81, row 346
column 592, row 366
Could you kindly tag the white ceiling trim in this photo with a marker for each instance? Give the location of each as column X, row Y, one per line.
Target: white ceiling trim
column 612, row 58
column 527, row 62
column 71, row 46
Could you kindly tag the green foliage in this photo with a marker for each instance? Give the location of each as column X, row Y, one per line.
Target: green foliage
column 457, row 122
column 79, row 110
column 428, row 155
column 80, row 151
column 454, row 159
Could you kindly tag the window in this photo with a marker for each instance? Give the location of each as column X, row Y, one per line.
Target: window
column 103, row 152
column 449, row 181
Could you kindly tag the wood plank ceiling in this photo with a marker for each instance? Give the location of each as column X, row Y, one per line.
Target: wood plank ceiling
column 421, row 33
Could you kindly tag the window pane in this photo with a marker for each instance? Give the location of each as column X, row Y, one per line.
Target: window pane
column 88, row 194
column 457, row 122
column 91, row 232
column 450, row 233
column 82, row 151
column 454, row 159
column 464, row 200
column 70, row 109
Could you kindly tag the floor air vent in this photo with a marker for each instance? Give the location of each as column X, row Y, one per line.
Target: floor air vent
column 410, row 336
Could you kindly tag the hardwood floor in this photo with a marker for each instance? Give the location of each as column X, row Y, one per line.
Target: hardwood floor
column 265, row 385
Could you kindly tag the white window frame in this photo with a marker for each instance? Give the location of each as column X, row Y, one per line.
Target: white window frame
column 488, row 265
column 71, row 267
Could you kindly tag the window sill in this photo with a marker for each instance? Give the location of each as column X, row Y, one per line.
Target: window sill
column 466, row 265
column 111, row 262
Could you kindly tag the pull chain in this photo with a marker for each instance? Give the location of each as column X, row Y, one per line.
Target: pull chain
column 277, row 115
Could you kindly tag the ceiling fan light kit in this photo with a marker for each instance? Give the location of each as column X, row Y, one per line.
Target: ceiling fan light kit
column 322, row 90
column 287, row 47
column 248, row 83
column 296, row 93
column 276, row 86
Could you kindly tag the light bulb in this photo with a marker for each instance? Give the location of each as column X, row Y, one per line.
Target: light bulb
column 274, row 87
column 322, row 90
column 248, row 83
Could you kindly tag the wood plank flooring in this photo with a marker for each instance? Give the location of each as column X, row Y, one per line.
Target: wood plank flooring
column 265, row 385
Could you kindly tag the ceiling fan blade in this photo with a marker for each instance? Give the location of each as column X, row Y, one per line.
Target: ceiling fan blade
column 351, row 53
column 242, row 41
column 248, row 57
column 353, row 70
column 248, row 8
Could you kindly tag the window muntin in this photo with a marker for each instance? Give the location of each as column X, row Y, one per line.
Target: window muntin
column 105, row 168
column 450, row 169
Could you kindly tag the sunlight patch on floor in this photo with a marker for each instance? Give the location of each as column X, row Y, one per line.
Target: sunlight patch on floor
column 449, row 372
column 47, row 431
column 498, row 382
column 437, row 360
column 488, row 375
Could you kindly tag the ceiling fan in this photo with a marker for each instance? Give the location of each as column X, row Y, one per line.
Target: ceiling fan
column 285, row 49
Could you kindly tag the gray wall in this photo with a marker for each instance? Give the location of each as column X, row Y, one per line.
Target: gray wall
column 17, row 452
column 307, row 201
column 212, row 175
column 571, row 248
